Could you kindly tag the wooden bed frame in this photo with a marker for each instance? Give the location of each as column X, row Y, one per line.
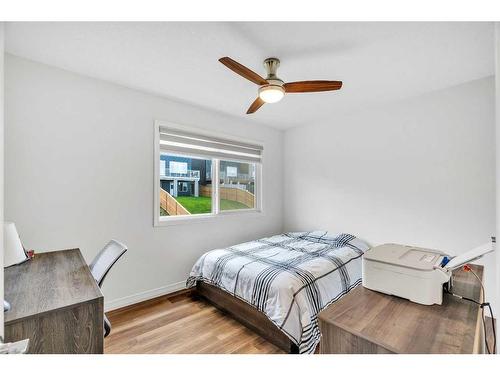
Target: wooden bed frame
column 247, row 315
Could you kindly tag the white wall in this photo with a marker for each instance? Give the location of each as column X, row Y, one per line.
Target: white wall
column 1, row 169
column 79, row 171
column 497, row 114
column 420, row 172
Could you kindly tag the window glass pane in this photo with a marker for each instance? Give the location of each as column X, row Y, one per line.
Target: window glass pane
column 185, row 185
column 237, row 185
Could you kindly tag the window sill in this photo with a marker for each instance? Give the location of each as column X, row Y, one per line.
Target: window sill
column 200, row 218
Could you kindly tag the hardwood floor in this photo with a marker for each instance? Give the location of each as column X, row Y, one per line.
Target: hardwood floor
column 180, row 323
column 184, row 324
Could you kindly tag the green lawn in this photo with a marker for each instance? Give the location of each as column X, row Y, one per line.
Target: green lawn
column 231, row 205
column 203, row 205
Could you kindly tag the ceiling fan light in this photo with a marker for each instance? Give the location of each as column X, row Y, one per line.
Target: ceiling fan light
column 271, row 93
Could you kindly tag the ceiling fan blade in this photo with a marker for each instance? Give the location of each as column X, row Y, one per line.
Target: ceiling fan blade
column 243, row 71
column 255, row 105
column 312, row 86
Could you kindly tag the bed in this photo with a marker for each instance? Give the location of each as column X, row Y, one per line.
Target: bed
column 278, row 285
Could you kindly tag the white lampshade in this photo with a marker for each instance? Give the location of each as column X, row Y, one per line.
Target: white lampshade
column 271, row 93
column 13, row 248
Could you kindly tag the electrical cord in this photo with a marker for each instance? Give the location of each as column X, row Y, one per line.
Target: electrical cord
column 493, row 327
column 482, row 305
column 467, row 268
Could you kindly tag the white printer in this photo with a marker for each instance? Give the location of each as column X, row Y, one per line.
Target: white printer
column 413, row 273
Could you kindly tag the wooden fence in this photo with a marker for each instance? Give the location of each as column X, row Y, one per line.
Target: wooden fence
column 231, row 194
column 170, row 204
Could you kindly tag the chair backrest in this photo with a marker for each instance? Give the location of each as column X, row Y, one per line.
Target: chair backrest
column 106, row 258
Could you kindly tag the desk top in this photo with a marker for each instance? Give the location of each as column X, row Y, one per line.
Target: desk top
column 401, row 326
column 50, row 281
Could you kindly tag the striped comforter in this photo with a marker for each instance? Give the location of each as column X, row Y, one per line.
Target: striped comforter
column 289, row 277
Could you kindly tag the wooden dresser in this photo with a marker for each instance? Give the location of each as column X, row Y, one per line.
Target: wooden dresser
column 365, row 321
column 56, row 303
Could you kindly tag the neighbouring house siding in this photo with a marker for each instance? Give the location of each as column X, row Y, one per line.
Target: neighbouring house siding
column 191, row 165
column 165, row 185
column 203, row 166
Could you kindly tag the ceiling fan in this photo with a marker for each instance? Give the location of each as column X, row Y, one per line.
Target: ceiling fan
column 272, row 89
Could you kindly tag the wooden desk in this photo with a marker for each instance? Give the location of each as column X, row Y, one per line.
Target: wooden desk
column 365, row 321
column 56, row 303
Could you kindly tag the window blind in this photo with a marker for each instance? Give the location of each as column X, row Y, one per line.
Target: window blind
column 179, row 141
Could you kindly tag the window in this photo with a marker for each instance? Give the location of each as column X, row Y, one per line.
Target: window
column 236, row 185
column 202, row 176
column 232, row 171
column 178, row 167
column 184, row 187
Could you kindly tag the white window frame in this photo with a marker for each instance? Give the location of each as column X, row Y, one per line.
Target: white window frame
column 216, row 212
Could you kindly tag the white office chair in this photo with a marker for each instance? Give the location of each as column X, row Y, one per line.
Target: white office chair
column 101, row 265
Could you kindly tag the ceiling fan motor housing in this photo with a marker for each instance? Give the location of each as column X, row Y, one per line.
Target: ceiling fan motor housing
column 272, row 92
column 272, row 64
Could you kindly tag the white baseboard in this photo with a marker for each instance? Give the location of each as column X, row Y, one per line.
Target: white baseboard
column 143, row 296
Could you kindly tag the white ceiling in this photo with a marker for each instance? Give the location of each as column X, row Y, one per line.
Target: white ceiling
column 378, row 62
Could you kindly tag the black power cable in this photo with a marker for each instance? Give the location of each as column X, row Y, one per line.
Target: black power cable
column 492, row 326
column 482, row 306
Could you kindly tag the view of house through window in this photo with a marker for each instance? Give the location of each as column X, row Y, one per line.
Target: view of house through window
column 237, row 185
column 200, row 174
column 185, row 185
